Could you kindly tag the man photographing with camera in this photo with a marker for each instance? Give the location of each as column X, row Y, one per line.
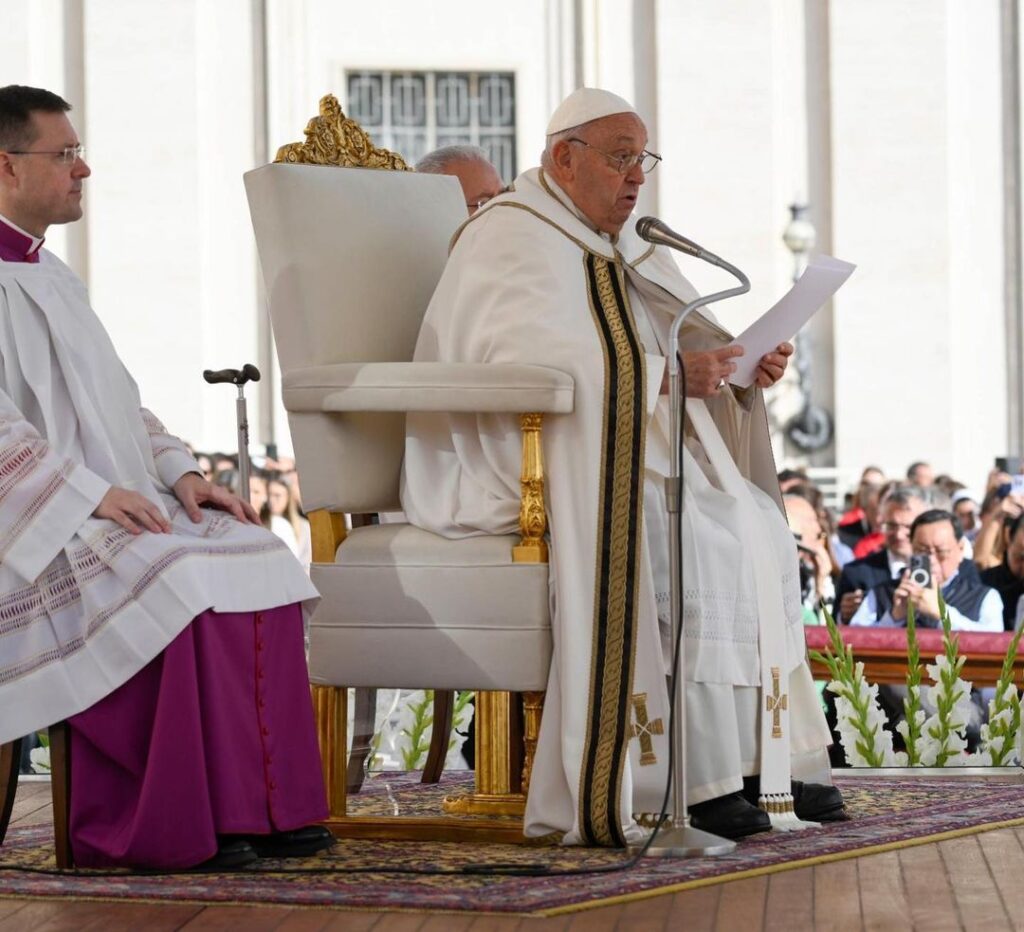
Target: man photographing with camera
column 937, row 565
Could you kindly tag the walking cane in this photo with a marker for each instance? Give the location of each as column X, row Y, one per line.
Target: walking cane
column 248, row 373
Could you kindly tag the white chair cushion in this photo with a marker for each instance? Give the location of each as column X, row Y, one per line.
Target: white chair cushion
column 404, row 607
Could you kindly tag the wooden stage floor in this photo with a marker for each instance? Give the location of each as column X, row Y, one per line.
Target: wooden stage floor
column 974, row 882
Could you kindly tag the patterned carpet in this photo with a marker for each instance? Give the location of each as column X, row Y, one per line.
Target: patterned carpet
column 885, row 814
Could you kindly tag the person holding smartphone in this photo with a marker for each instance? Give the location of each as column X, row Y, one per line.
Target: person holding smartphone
column 937, row 565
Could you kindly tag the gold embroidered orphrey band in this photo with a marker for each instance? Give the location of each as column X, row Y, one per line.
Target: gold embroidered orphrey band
column 620, row 524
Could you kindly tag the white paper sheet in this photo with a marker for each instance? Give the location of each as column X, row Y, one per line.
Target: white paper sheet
column 822, row 278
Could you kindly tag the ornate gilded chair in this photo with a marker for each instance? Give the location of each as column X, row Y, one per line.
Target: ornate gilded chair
column 350, row 260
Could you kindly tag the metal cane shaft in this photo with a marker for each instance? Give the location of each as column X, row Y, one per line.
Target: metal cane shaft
column 242, row 417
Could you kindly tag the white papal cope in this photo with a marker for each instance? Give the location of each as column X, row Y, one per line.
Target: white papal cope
column 529, row 280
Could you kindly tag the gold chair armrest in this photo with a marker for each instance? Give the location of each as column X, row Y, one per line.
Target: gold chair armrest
column 533, row 522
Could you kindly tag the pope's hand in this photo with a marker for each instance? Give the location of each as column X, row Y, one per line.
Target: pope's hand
column 193, row 490
column 130, row 510
column 773, row 365
column 706, row 370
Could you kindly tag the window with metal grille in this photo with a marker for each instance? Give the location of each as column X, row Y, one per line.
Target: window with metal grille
column 414, row 112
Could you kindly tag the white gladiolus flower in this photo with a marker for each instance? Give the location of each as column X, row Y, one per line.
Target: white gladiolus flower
column 40, row 760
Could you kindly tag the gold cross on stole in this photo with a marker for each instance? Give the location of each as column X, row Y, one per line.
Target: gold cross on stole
column 777, row 703
column 643, row 729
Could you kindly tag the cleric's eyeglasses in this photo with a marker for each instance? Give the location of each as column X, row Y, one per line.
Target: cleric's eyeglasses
column 68, row 155
column 487, row 198
column 647, row 161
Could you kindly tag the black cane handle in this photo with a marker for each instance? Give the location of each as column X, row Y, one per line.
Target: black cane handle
column 248, row 373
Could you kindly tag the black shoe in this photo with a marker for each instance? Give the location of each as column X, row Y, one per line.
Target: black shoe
column 730, row 816
column 818, row 802
column 232, row 853
column 298, row 843
column 812, row 802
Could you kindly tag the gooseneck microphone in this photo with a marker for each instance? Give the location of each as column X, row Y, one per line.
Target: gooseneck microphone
column 683, row 840
column 655, row 231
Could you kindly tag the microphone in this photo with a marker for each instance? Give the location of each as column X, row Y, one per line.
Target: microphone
column 653, row 230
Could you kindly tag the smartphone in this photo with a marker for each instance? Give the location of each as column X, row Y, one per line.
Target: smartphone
column 1010, row 464
column 920, row 569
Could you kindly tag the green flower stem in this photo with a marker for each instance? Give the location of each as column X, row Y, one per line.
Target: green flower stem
column 849, row 683
column 949, row 693
column 912, row 702
column 997, row 727
column 416, row 732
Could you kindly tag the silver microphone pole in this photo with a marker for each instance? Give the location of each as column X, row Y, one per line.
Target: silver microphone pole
column 682, row 840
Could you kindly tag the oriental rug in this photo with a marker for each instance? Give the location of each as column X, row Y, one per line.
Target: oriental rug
column 886, row 814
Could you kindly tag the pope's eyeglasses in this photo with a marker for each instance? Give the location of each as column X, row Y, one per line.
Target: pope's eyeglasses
column 68, row 155
column 647, row 161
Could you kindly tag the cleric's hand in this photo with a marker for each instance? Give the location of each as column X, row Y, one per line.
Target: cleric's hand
column 706, row 370
column 134, row 512
column 193, row 490
column 773, row 365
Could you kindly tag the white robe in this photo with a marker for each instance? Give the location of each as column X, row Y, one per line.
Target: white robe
column 527, row 281
column 84, row 605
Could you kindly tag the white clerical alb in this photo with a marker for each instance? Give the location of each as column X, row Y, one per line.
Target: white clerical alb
column 85, row 604
column 529, row 281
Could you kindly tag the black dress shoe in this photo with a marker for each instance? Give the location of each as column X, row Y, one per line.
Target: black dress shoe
column 818, row 802
column 812, row 802
column 298, row 843
column 232, row 853
column 730, row 816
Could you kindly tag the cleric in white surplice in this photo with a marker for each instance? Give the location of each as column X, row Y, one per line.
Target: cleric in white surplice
column 139, row 602
column 551, row 273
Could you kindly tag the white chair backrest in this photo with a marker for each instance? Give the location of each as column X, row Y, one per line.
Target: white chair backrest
column 350, row 258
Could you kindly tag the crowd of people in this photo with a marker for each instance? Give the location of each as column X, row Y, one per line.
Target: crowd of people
column 904, row 542
column 273, row 492
column 859, row 563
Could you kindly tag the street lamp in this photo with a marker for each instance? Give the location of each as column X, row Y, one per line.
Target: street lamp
column 811, row 429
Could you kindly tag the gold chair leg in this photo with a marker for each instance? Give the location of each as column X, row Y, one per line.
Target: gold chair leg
column 498, row 759
column 330, row 708
column 533, row 709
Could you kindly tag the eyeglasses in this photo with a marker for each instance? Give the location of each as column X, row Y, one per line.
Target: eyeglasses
column 476, row 205
column 939, row 554
column 647, row 161
column 68, row 155
column 891, row 527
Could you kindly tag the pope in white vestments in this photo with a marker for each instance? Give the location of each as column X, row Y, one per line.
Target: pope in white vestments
column 550, row 273
column 138, row 602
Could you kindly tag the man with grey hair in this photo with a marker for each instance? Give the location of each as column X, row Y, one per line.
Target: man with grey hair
column 479, row 178
column 552, row 273
column 899, row 508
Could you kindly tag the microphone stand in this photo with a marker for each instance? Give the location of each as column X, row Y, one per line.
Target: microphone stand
column 683, row 840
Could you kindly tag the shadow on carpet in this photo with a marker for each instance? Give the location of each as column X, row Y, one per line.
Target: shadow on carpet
column 885, row 814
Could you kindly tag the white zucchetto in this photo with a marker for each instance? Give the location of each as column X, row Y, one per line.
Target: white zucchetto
column 586, row 104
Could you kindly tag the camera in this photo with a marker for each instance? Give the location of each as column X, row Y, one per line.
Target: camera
column 920, row 569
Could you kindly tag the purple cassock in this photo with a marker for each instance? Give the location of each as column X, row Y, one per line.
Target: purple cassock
column 213, row 737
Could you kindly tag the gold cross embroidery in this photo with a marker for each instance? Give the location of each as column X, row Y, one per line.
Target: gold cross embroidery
column 777, row 703
column 643, row 729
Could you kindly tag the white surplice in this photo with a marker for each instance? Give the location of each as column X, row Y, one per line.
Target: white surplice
column 529, row 282
column 84, row 605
